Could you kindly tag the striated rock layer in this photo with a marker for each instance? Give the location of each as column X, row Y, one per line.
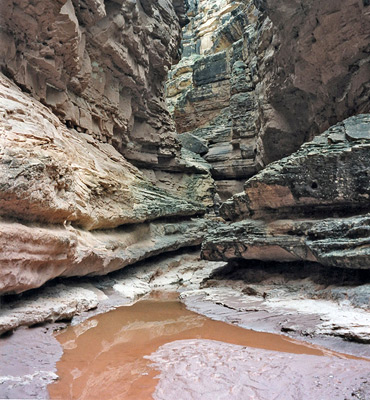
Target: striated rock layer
column 211, row 92
column 52, row 174
column 256, row 81
column 82, row 107
column 260, row 78
column 312, row 205
column 32, row 255
column 100, row 66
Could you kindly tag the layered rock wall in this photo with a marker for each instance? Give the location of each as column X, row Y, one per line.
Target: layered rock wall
column 313, row 65
column 82, row 107
column 100, row 67
column 211, row 91
column 309, row 63
column 259, row 79
column 311, row 206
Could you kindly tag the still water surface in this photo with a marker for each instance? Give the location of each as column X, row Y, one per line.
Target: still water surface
column 104, row 356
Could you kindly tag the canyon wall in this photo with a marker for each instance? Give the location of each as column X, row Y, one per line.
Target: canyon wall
column 314, row 68
column 100, row 67
column 82, row 109
column 96, row 175
column 258, row 79
column 258, row 84
column 310, row 206
column 310, row 202
column 211, row 91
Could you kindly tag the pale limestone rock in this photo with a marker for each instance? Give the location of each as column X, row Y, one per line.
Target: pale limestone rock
column 53, row 174
column 51, row 304
column 31, row 255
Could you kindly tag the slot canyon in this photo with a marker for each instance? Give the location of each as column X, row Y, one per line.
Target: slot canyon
column 185, row 199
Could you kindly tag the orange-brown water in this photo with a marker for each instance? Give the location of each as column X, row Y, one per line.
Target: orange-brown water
column 104, row 356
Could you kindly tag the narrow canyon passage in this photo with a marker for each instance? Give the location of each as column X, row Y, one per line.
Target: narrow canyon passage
column 109, row 356
column 214, row 150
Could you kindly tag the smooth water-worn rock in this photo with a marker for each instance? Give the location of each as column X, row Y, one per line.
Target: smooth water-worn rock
column 77, row 299
column 33, row 254
column 286, row 305
column 52, row 304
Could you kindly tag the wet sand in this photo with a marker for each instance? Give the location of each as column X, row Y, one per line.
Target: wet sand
column 106, row 356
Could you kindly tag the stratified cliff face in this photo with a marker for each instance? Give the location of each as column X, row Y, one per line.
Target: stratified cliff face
column 309, row 67
column 100, row 66
column 313, row 68
column 81, row 103
column 260, row 78
column 93, row 174
column 211, row 91
column 311, row 206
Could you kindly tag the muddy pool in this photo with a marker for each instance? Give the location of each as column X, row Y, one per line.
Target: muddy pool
column 110, row 355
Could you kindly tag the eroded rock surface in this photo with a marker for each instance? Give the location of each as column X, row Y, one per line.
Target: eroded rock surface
column 32, row 255
column 300, row 299
column 325, row 176
column 82, row 107
column 50, row 173
column 100, row 66
column 313, row 70
column 312, row 205
column 259, row 79
column 73, row 298
column 210, row 91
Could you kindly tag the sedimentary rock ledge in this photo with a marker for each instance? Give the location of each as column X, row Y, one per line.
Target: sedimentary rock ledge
column 312, row 205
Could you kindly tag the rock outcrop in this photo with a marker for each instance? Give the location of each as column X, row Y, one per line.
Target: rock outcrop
column 210, row 92
column 100, row 66
column 71, row 205
column 312, row 205
column 259, row 79
column 313, row 70
column 50, row 173
column 82, row 108
column 89, row 150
